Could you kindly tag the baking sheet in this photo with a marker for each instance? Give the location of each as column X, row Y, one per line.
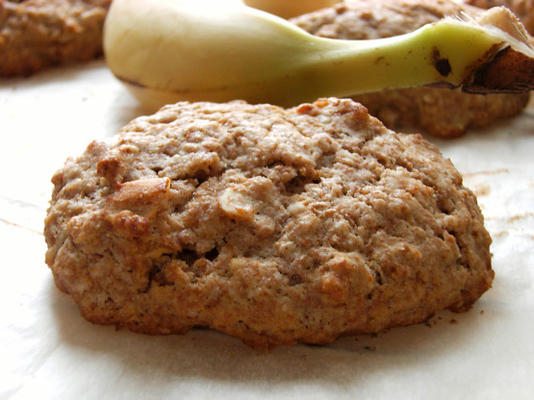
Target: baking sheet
column 50, row 352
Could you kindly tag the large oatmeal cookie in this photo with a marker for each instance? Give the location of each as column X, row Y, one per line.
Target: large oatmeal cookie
column 35, row 34
column 441, row 112
column 276, row 226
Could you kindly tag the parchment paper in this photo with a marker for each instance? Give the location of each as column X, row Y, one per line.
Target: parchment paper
column 50, row 352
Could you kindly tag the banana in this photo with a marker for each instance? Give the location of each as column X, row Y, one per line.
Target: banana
column 208, row 50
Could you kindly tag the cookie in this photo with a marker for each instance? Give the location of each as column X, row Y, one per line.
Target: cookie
column 437, row 111
column 275, row 226
column 35, row 34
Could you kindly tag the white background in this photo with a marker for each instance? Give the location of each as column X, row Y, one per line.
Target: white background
column 48, row 351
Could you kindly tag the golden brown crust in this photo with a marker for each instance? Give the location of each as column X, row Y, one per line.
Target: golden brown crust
column 35, row 34
column 275, row 226
column 440, row 112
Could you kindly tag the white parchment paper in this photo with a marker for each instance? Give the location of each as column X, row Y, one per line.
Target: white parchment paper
column 49, row 352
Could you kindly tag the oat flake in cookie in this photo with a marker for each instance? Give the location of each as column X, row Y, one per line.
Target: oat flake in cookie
column 275, row 226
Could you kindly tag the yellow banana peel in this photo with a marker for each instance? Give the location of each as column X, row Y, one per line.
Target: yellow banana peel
column 206, row 50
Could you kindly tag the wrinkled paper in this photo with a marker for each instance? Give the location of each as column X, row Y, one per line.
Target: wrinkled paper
column 50, row 352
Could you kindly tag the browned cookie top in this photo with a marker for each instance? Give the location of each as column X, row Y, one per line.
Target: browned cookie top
column 374, row 19
column 272, row 225
column 35, row 34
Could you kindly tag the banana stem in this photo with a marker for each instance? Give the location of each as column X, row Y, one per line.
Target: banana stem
column 446, row 53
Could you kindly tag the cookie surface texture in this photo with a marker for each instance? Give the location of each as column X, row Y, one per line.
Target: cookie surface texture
column 35, row 34
column 440, row 112
column 275, row 226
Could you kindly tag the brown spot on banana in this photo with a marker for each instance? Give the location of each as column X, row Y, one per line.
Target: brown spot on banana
column 442, row 65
